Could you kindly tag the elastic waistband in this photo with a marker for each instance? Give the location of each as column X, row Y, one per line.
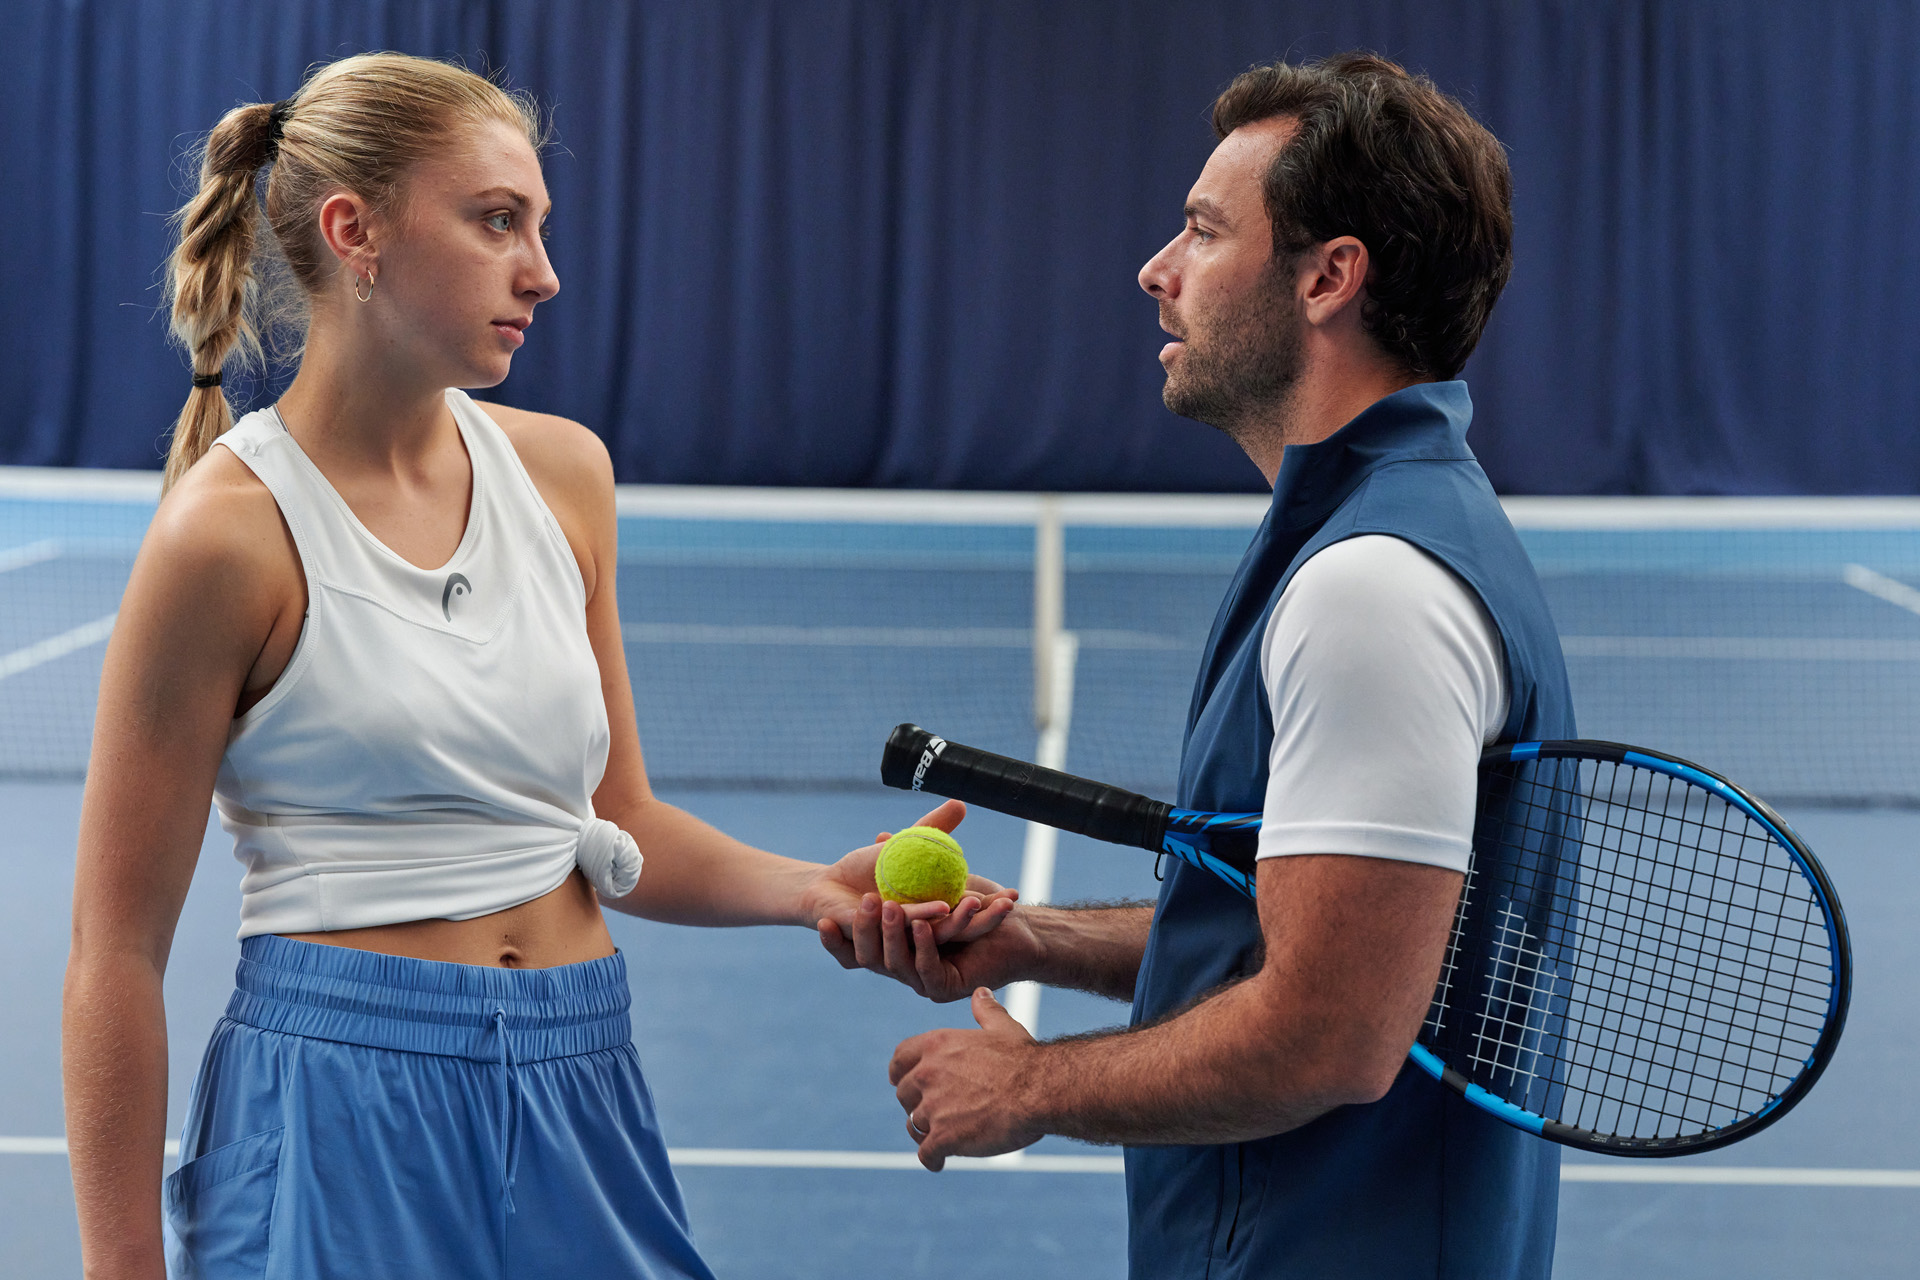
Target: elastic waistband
column 426, row 1006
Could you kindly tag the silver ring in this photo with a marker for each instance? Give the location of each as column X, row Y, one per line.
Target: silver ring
column 915, row 1125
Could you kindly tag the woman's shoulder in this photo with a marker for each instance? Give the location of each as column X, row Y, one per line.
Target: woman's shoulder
column 219, row 513
column 565, row 459
column 218, row 549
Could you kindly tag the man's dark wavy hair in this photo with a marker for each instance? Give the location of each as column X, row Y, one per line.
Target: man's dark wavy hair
column 1389, row 159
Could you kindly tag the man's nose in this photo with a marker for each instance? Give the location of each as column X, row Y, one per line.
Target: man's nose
column 1158, row 277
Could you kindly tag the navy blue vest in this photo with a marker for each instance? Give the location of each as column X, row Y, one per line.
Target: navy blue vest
column 1419, row 1184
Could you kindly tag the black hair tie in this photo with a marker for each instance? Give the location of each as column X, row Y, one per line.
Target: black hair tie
column 206, row 379
column 277, row 125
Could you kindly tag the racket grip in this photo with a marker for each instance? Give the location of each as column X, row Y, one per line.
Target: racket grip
column 915, row 760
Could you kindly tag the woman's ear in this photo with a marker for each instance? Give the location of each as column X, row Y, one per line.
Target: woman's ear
column 345, row 227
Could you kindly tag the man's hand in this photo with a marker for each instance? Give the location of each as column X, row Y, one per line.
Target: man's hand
column 941, row 959
column 1353, row 949
column 960, row 1089
column 845, row 904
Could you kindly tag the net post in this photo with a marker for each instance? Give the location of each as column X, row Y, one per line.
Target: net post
column 1055, row 653
column 1037, row 858
column 1049, row 606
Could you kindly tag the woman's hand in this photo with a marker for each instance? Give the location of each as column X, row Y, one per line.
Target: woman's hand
column 887, row 940
column 863, row 932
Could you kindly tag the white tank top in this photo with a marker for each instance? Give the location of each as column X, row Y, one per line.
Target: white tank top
column 433, row 745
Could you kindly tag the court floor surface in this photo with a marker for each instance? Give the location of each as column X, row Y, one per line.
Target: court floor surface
column 758, row 1046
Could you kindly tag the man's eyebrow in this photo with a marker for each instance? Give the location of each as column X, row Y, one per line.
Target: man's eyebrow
column 1201, row 207
column 507, row 195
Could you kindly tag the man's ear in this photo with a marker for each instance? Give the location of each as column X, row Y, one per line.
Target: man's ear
column 1335, row 278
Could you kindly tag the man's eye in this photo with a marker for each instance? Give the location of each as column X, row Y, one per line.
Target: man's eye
column 546, row 231
column 500, row 221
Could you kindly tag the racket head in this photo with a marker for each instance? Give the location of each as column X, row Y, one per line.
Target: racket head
column 1646, row 960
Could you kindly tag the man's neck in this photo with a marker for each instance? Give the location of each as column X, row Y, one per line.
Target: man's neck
column 1325, row 399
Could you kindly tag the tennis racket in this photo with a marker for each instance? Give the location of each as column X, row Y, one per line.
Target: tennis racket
column 1646, row 960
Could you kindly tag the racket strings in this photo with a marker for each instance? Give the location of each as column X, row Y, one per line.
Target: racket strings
column 1653, row 963
column 1443, row 994
column 1668, row 946
column 1520, row 981
column 1644, row 896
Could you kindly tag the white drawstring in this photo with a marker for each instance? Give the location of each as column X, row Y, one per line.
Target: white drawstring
column 509, row 1127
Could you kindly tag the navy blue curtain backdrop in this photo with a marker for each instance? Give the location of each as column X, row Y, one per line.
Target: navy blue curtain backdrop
column 893, row 242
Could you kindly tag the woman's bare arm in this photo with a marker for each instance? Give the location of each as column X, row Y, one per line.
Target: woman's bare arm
column 204, row 602
column 694, row 873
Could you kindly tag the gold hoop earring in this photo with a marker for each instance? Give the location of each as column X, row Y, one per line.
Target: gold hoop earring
column 368, row 295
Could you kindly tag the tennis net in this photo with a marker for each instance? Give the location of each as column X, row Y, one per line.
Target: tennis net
column 775, row 636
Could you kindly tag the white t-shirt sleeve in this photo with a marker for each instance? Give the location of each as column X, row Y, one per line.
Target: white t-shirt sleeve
column 1386, row 677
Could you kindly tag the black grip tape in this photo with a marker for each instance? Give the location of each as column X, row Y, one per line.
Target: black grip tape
column 916, row 760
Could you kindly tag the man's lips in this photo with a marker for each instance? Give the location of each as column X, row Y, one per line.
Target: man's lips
column 512, row 330
column 1179, row 339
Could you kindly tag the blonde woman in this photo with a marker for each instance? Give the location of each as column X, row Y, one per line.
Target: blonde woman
column 377, row 626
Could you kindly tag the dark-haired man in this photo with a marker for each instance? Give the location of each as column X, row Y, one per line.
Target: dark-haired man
column 1343, row 248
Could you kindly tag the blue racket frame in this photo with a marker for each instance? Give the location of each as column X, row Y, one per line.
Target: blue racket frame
column 1226, row 845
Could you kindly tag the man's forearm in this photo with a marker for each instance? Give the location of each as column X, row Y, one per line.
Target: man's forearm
column 1094, row 947
column 1195, row 1078
column 1353, row 951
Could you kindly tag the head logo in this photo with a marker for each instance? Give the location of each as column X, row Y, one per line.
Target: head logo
column 457, row 585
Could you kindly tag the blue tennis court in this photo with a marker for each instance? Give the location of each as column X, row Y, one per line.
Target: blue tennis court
column 1783, row 654
column 869, row 304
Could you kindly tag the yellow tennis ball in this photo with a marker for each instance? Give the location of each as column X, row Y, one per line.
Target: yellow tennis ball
column 921, row 864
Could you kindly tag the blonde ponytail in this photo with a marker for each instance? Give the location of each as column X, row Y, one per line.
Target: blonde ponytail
column 211, row 277
column 358, row 124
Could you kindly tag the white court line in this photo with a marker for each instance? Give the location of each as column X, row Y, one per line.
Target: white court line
column 48, row 1147
column 1644, row 513
column 1237, row 510
column 881, row 637
column 30, row 553
column 1625, row 1171
column 1735, row 648
column 52, row 1147
column 912, row 506
column 1043, row 841
column 1015, row 1162
column 12, row 664
column 80, row 484
column 1744, row 648
column 1083, row 509
column 1892, row 590
column 748, row 1158
column 1640, row 1171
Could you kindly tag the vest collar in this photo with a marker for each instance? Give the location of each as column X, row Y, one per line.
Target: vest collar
column 1425, row 422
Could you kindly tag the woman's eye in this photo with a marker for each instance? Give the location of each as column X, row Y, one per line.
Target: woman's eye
column 500, row 221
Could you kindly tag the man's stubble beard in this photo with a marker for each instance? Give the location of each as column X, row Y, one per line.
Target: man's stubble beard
column 1241, row 375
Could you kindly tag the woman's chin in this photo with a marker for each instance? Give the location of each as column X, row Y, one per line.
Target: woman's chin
column 490, row 372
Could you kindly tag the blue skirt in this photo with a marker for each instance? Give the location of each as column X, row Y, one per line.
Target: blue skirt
column 368, row 1115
